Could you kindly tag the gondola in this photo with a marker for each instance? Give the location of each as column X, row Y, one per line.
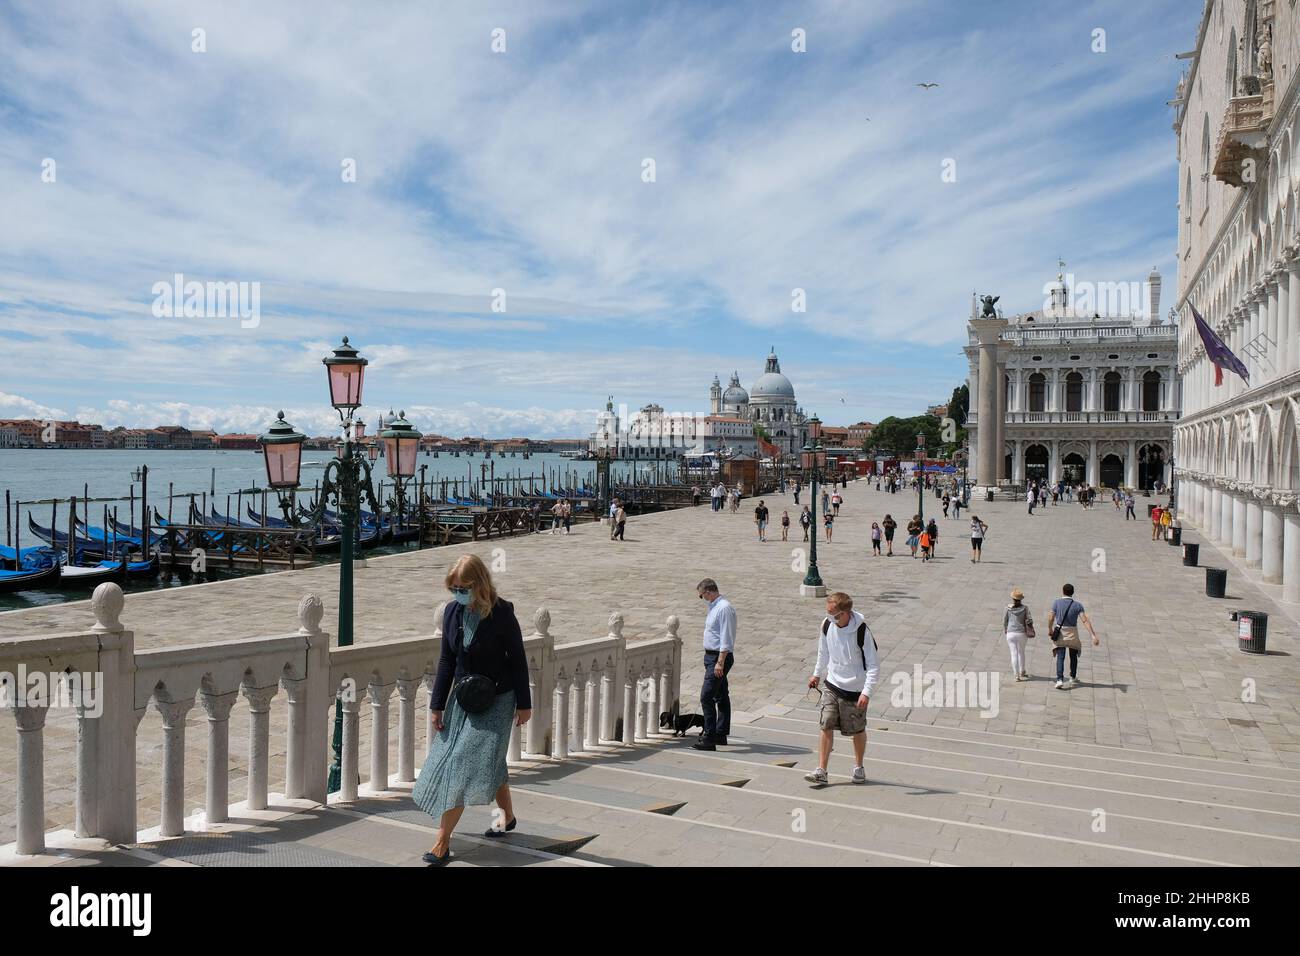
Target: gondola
column 39, row 579
column 59, row 539
column 91, row 575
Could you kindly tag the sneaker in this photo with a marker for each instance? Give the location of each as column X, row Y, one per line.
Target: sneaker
column 859, row 775
column 1025, row 674
column 1073, row 682
column 816, row 776
column 1019, row 677
column 1060, row 684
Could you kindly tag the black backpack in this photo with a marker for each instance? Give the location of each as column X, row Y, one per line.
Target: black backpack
column 862, row 638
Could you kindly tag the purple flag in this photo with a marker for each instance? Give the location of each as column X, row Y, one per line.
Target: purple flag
column 1217, row 352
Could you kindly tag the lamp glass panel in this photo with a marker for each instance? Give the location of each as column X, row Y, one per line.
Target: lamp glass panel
column 283, row 464
column 345, row 384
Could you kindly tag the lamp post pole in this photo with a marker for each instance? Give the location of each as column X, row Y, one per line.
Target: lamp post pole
column 920, row 481
column 813, row 458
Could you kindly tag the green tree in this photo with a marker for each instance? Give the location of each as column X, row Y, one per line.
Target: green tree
column 959, row 404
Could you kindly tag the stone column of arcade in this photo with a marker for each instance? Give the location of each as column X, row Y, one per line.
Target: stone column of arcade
column 988, row 332
column 1002, row 420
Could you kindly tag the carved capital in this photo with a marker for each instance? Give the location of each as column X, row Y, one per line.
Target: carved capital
column 173, row 711
column 259, row 698
column 217, row 706
column 406, row 687
column 31, row 717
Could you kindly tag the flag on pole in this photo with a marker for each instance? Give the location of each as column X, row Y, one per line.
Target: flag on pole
column 1217, row 352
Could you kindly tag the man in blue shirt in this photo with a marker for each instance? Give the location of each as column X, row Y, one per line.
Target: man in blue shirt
column 1067, row 612
column 719, row 645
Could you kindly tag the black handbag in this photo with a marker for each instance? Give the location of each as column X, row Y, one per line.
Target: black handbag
column 474, row 692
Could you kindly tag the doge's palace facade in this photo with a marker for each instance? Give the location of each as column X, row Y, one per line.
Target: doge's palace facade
column 1238, row 449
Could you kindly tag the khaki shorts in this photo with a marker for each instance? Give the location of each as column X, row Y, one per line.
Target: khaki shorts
column 840, row 714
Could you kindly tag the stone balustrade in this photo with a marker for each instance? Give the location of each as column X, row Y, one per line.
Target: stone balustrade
column 586, row 694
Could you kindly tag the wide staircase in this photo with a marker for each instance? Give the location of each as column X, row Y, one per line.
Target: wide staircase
column 935, row 796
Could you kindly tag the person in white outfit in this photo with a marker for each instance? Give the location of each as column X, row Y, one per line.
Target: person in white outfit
column 1018, row 625
column 846, row 658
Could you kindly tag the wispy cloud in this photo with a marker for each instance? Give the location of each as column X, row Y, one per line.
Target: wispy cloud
column 523, row 172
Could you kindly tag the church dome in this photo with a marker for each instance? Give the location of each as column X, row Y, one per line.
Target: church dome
column 772, row 385
column 735, row 394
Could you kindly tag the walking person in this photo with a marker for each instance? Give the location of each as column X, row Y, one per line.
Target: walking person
column 875, row 539
column 947, row 500
column 797, row 486
column 889, row 526
column 1018, row 625
column 932, row 529
column 480, row 693
column 977, row 531
column 956, row 506
column 568, row 516
column 620, row 521
column 760, row 519
column 1166, row 522
column 613, row 519
column 785, row 526
column 847, row 662
column 826, row 501
column 836, row 500
column 719, row 655
column 805, row 521
column 557, row 513
column 925, row 545
column 1032, row 498
column 1128, row 506
column 828, row 520
column 695, row 496
column 914, row 533
column 1063, row 626
column 1155, row 522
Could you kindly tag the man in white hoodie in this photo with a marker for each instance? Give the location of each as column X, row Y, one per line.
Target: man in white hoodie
column 846, row 658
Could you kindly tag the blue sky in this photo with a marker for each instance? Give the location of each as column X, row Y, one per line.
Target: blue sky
column 523, row 171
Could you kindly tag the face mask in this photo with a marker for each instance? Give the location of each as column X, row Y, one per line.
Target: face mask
column 461, row 598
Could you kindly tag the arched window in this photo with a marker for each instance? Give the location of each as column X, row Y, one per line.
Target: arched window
column 1187, row 197
column 1151, row 391
column 1038, row 392
column 1074, row 392
column 1110, row 392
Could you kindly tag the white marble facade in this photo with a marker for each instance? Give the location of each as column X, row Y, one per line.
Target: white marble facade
column 1083, row 398
column 1238, row 240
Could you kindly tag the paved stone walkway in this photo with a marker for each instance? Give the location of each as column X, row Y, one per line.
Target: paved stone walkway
column 1167, row 678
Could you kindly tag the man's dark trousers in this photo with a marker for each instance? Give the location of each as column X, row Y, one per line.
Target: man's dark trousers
column 715, row 697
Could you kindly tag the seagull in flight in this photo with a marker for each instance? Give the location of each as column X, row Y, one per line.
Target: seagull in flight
column 926, row 86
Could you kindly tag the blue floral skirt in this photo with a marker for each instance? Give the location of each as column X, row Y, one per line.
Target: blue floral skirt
column 466, row 765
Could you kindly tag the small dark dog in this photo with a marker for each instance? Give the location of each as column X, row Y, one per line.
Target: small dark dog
column 681, row 723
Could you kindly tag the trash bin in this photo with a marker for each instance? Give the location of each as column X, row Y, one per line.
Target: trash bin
column 988, row 495
column 1252, row 631
column 1191, row 554
column 1216, row 582
column 1175, row 536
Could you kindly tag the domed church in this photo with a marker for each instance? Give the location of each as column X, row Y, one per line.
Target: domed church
column 770, row 402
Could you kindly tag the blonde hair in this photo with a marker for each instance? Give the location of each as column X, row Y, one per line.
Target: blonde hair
column 469, row 571
column 840, row 601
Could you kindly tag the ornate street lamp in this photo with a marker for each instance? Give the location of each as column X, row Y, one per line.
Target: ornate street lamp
column 372, row 450
column 282, row 450
column 813, row 460
column 347, row 478
column 401, row 447
column 920, row 481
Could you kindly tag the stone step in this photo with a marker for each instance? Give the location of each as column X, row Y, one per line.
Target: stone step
column 958, row 828
column 1141, row 822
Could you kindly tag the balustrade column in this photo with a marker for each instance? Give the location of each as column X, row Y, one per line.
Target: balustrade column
column 629, row 708
column 534, row 731
column 665, row 693
column 379, row 694
column 1254, row 532
column 607, row 715
column 1239, row 524
column 592, row 739
column 173, row 783
column 406, row 689
column 259, row 742
column 88, row 756
column 31, row 777
column 577, row 701
column 652, row 706
column 640, row 723
column 217, row 707
column 295, row 745
column 560, row 735
column 350, row 759
column 430, row 734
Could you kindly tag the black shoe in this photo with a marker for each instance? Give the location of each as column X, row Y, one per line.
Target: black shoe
column 704, row 743
column 500, row 833
column 434, row 860
column 720, row 741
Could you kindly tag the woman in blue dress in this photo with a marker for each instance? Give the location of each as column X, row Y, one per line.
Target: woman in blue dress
column 466, row 765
